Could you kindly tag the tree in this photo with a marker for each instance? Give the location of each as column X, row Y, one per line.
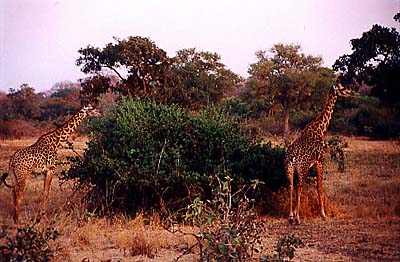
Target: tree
column 375, row 61
column 288, row 76
column 141, row 67
column 23, row 103
column 201, row 77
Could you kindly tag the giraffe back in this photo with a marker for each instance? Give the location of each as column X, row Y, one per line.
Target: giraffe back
column 34, row 157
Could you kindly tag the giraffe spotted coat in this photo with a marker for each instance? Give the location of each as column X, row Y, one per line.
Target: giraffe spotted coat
column 41, row 158
column 308, row 150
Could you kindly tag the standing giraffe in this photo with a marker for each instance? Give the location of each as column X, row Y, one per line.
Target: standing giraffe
column 41, row 157
column 308, row 150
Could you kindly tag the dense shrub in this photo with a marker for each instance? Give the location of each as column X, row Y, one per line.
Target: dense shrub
column 377, row 122
column 145, row 155
column 31, row 243
column 364, row 116
column 18, row 129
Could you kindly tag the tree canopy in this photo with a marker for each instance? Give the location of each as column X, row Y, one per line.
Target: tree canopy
column 136, row 66
column 375, row 61
column 286, row 75
column 201, row 77
column 141, row 66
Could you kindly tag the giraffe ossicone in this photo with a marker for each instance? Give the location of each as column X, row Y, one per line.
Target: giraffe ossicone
column 308, row 150
column 41, row 157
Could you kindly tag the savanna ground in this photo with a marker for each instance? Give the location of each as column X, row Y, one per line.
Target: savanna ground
column 363, row 207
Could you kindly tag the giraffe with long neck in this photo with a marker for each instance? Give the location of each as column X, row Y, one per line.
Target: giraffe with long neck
column 308, row 150
column 41, row 157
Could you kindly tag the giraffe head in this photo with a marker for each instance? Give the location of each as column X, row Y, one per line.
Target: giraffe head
column 342, row 91
column 91, row 111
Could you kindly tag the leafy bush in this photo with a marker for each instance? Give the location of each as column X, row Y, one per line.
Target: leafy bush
column 365, row 116
column 337, row 147
column 284, row 250
column 29, row 244
column 148, row 155
column 377, row 121
column 236, row 106
column 16, row 129
column 228, row 228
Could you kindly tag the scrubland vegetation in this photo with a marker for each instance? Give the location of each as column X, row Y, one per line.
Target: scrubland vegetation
column 187, row 162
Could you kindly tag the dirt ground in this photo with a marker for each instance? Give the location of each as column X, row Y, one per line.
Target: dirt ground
column 363, row 207
column 363, row 239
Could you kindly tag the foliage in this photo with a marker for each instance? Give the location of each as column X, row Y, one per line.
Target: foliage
column 228, row 228
column 149, row 155
column 22, row 103
column 24, row 112
column 17, row 129
column 29, row 244
column 25, row 104
column 202, row 79
column 377, row 121
column 141, row 67
column 288, row 77
column 375, row 61
column 284, row 250
column 236, row 106
column 191, row 79
column 337, row 151
column 363, row 116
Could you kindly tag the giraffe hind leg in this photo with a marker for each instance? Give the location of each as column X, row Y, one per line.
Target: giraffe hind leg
column 18, row 193
column 47, row 184
column 300, row 174
column 319, row 168
column 290, row 173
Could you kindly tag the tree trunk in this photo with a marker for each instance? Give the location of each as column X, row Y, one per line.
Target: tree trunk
column 144, row 86
column 287, row 111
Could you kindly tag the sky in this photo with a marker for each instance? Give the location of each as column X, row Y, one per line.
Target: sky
column 40, row 39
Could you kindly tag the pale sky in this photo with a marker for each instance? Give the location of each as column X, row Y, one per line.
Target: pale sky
column 39, row 39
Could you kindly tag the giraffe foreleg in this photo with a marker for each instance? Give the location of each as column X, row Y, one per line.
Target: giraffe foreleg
column 320, row 171
column 47, row 184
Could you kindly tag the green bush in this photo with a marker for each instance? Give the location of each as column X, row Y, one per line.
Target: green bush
column 236, row 106
column 284, row 250
column 377, row 121
column 148, row 155
column 228, row 228
column 29, row 244
column 364, row 116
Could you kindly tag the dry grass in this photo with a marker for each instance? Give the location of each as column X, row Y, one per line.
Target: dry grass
column 368, row 189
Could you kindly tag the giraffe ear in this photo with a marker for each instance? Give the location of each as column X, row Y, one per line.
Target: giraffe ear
column 344, row 91
column 88, row 106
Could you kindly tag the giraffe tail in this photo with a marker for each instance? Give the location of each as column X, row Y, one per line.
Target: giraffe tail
column 3, row 180
column 5, row 175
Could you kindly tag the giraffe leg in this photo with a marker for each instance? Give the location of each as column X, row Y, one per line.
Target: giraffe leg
column 320, row 170
column 47, row 183
column 18, row 193
column 301, row 174
column 290, row 173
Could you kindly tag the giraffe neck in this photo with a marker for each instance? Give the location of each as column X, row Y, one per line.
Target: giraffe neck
column 320, row 124
column 61, row 134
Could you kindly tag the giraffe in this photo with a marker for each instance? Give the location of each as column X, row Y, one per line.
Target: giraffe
column 308, row 150
column 41, row 157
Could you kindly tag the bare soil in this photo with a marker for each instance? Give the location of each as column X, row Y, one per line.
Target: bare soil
column 363, row 206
